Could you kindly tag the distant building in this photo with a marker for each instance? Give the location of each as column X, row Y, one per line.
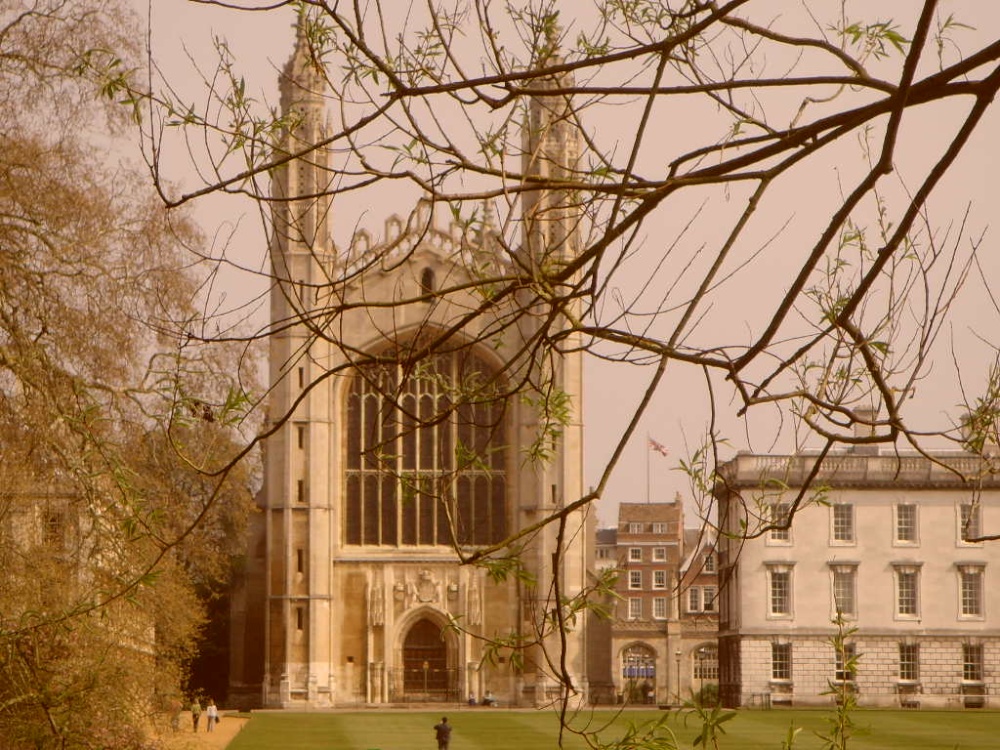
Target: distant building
column 54, row 556
column 662, row 630
column 885, row 542
column 699, row 612
column 606, row 549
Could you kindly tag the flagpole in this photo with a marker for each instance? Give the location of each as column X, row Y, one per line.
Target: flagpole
column 653, row 445
column 647, row 468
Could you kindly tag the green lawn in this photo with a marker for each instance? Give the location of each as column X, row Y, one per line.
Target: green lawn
column 498, row 729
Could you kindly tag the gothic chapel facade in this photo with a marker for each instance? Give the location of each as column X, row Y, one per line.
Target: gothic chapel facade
column 353, row 591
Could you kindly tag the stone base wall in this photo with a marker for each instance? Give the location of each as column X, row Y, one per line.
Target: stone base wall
column 940, row 681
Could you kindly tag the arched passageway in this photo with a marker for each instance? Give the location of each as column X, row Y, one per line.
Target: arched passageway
column 426, row 675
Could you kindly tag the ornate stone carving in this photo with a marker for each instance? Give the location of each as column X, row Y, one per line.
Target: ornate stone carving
column 376, row 606
column 475, row 605
column 428, row 589
column 425, row 590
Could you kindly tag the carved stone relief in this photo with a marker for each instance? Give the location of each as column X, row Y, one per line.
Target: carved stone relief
column 475, row 605
column 425, row 589
column 376, row 605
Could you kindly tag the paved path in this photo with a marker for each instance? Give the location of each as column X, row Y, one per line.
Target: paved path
column 227, row 728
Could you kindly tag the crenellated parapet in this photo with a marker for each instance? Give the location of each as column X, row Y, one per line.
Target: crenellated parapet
column 404, row 236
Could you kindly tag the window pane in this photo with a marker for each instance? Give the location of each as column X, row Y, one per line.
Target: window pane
column 972, row 593
column 352, row 515
column 969, row 519
column 409, row 509
column 909, row 662
column 634, row 608
column 498, row 508
column 464, row 504
column 409, row 432
column 779, row 517
column 389, row 510
column 660, row 608
column 444, row 524
column 708, row 598
column 843, row 591
column 425, row 515
column 354, row 430
column 781, row 601
column 843, row 523
column 370, row 509
column 906, row 582
column 972, row 658
column 906, row 522
column 426, row 434
column 497, row 457
column 481, row 519
column 368, row 445
column 781, row 661
column 844, row 662
column 706, row 663
column 638, row 662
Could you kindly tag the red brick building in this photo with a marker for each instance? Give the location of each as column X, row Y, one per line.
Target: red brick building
column 660, row 642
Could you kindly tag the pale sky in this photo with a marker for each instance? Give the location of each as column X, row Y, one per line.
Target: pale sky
column 261, row 42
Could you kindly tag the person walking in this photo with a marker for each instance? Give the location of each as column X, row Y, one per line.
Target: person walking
column 176, row 706
column 442, row 732
column 195, row 714
column 211, row 715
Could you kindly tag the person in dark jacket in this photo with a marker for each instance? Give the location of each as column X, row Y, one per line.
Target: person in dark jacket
column 442, row 732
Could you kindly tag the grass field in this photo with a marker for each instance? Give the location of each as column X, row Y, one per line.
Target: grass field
column 488, row 729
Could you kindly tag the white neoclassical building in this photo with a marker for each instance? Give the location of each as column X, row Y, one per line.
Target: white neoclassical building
column 353, row 592
column 883, row 540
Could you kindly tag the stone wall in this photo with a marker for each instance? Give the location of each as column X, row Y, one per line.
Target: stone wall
column 940, row 672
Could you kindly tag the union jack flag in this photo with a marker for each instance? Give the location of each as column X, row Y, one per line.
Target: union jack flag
column 658, row 447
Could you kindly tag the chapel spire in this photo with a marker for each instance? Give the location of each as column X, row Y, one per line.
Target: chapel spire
column 550, row 155
column 301, row 187
column 303, row 83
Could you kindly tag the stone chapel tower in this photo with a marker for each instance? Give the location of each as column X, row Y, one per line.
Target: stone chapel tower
column 353, row 592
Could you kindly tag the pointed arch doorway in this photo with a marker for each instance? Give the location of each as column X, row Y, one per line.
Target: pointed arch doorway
column 426, row 672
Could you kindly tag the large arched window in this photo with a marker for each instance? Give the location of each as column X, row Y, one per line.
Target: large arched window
column 638, row 662
column 706, row 662
column 425, row 455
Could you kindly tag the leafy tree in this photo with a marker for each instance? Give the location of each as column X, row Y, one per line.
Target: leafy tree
column 108, row 513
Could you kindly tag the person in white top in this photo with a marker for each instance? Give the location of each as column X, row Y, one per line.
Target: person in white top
column 212, row 714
